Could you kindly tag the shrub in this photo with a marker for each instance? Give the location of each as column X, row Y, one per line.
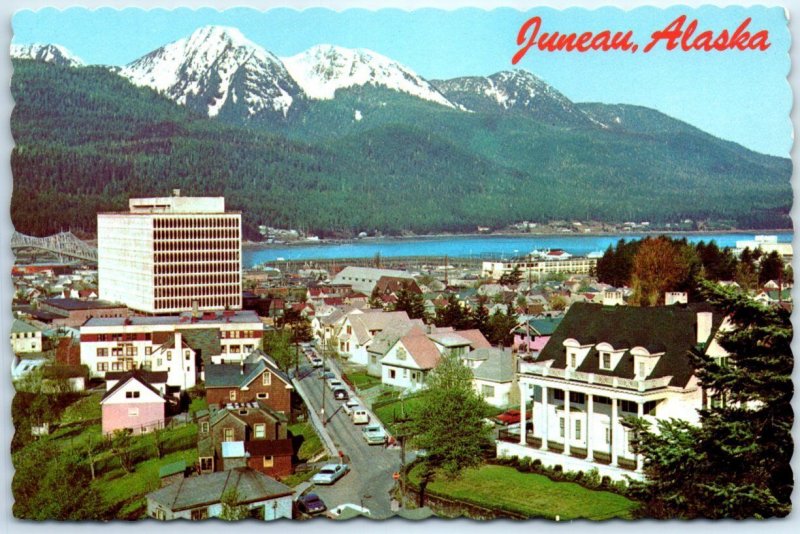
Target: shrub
column 524, row 465
column 605, row 482
column 536, row 466
column 591, row 478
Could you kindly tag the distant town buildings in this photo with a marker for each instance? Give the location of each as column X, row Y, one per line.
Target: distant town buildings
column 171, row 254
column 767, row 244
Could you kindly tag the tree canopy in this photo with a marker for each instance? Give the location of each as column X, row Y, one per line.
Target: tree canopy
column 736, row 463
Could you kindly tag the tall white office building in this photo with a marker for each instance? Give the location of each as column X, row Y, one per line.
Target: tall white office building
column 167, row 254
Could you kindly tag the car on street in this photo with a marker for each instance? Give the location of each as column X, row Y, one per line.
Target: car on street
column 340, row 394
column 330, row 473
column 326, row 375
column 311, row 504
column 334, row 383
column 352, row 402
column 374, row 435
column 316, row 362
column 348, row 510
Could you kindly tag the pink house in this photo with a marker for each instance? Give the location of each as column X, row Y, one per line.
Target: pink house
column 132, row 403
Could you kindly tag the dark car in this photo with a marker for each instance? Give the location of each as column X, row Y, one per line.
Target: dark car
column 340, row 394
column 311, row 504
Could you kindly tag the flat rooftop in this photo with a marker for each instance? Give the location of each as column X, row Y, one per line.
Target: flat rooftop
column 185, row 318
column 70, row 304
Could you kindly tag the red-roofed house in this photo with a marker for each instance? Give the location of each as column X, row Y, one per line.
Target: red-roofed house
column 408, row 362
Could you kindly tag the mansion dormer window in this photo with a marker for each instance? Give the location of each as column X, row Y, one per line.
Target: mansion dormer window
column 573, row 360
column 605, row 361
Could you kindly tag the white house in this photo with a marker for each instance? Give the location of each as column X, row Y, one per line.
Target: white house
column 409, row 360
column 359, row 327
column 201, row 497
column 601, row 364
column 25, row 337
column 493, row 371
column 364, row 279
column 132, row 404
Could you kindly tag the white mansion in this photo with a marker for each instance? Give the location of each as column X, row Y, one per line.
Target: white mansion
column 604, row 363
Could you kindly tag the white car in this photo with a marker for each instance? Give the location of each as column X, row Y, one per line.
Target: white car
column 316, row 362
column 336, row 512
column 352, row 402
column 330, row 473
column 374, row 435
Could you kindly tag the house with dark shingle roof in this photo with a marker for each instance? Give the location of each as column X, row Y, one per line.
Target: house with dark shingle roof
column 257, row 378
column 132, row 404
column 200, row 497
column 603, row 363
column 493, row 372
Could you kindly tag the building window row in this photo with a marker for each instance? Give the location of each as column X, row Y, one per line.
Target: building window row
column 195, row 280
column 192, row 243
column 191, row 256
column 196, row 222
column 197, row 268
column 204, row 290
column 185, row 303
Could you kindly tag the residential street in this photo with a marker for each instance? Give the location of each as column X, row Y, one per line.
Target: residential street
column 370, row 479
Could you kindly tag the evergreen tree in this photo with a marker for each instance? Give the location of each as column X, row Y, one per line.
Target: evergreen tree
column 770, row 268
column 736, row 463
column 410, row 302
column 374, row 301
column 511, row 279
column 449, row 423
column 453, row 314
column 479, row 317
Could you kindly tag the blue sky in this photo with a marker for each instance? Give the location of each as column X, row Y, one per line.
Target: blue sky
column 740, row 96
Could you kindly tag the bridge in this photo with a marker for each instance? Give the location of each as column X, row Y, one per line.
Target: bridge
column 63, row 245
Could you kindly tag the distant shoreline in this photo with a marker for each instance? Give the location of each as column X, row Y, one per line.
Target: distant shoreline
column 432, row 237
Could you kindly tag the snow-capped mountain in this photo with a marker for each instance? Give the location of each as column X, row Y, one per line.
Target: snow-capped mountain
column 323, row 69
column 49, row 53
column 517, row 90
column 218, row 72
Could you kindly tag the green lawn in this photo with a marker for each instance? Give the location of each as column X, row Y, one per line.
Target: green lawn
column 85, row 408
column 530, row 494
column 312, row 444
column 362, row 380
column 127, row 491
column 198, row 403
column 299, row 478
column 390, row 413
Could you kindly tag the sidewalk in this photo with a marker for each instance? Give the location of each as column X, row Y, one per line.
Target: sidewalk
column 315, row 420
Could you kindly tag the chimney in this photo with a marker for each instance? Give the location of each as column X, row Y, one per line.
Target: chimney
column 176, row 192
column 241, row 367
column 704, row 321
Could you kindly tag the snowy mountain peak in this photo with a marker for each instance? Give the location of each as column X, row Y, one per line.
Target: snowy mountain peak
column 217, row 70
column 323, row 69
column 48, row 53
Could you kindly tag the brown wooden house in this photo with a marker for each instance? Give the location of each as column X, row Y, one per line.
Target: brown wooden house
column 257, row 378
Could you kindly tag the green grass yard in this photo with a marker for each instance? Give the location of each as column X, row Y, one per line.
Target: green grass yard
column 312, row 444
column 390, row 413
column 362, row 380
column 530, row 494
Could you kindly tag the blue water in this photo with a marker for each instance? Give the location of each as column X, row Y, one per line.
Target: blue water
column 467, row 246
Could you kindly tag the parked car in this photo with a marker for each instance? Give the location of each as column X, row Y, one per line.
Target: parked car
column 330, row 473
column 509, row 417
column 316, row 362
column 351, row 402
column 360, row 416
column 374, row 435
column 340, row 394
column 334, row 383
column 348, row 507
column 311, row 504
column 326, row 375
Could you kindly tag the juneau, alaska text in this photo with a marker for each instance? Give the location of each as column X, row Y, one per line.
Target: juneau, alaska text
column 677, row 35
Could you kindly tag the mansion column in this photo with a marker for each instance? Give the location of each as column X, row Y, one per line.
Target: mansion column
column 545, row 409
column 639, row 414
column 523, row 388
column 614, row 432
column 589, row 414
column 567, row 423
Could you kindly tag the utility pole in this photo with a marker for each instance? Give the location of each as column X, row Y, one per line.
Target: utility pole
column 322, row 412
